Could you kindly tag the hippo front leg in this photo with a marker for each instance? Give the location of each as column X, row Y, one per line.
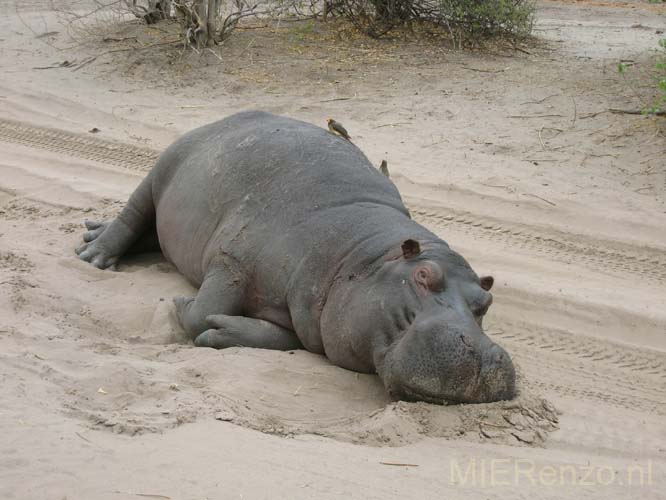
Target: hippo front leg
column 239, row 331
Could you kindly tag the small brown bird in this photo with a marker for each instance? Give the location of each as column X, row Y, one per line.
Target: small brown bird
column 383, row 168
column 337, row 129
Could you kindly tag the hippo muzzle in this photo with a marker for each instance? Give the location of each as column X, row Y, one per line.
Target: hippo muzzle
column 443, row 361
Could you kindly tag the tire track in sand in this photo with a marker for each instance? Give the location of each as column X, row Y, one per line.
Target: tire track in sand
column 78, row 146
column 615, row 258
column 584, row 367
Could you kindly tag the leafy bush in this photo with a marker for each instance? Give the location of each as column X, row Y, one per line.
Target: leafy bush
column 659, row 106
column 465, row 20
column 208, row 22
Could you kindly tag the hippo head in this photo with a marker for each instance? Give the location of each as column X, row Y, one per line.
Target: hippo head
column 418, row 315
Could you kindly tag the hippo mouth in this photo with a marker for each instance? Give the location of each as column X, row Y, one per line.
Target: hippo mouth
column 407, row 394
column 405, row 391
column 482, row 395
column 489, row 376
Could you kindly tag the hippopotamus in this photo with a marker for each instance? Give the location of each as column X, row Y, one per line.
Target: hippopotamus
column 294, row 240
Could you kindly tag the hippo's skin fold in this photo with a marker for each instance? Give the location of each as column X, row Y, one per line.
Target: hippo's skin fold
column 295, row 240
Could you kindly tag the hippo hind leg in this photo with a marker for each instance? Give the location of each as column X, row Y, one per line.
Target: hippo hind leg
column 214, row 317
column 239, row 331
column 106, row 243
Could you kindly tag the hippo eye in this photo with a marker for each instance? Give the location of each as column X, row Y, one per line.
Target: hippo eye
column 482, row 308
column 481, row 311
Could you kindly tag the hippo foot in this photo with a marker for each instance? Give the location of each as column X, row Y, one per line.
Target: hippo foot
column 239, row 331
column 228, row 332
column 93, row 252
column 217, row 339
column 95, row 229
column 97, row 257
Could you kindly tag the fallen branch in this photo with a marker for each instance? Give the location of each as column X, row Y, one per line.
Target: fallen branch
column 391, row 124
column 215, row 54
column 542, row 199
column 118, row 39
column 636, row 112
column 592, row 115
column 534, row 116
column 522, row 50
column 64, row 64
column 48, row 33
column 434, row 143
column 337, row 99
column 498, row 186
column 543, row 146
column 540, row 100
column 170, row 42
column 145, row 495
column 484, row 70
column 83, row 437
column 84, row 63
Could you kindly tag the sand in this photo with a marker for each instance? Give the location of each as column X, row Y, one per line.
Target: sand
column 511, row 157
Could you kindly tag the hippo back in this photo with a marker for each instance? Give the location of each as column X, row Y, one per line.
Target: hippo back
column 246, row 181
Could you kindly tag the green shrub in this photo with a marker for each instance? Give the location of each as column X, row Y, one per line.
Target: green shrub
column 465, row 20
column 659, row 106
column 474, row 19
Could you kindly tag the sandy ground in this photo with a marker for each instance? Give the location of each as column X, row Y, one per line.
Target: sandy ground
column 513, row 158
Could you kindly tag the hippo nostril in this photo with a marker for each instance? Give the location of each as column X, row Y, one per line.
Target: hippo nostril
column 465, row 340
column 498, row 357
column 498, row 375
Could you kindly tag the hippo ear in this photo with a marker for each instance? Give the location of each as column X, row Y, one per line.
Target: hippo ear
column 487, row 282
column 410, row 248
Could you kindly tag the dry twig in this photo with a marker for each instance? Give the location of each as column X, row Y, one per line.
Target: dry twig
column 392, row 124
column 539, row 101
column 534, row 116
column 539, row 197
column 635, row 112
column 543, row 146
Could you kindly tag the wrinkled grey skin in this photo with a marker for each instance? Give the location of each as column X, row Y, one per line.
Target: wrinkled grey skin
column 295, row 240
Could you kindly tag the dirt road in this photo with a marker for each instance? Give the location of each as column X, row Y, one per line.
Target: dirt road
column 514, row 160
